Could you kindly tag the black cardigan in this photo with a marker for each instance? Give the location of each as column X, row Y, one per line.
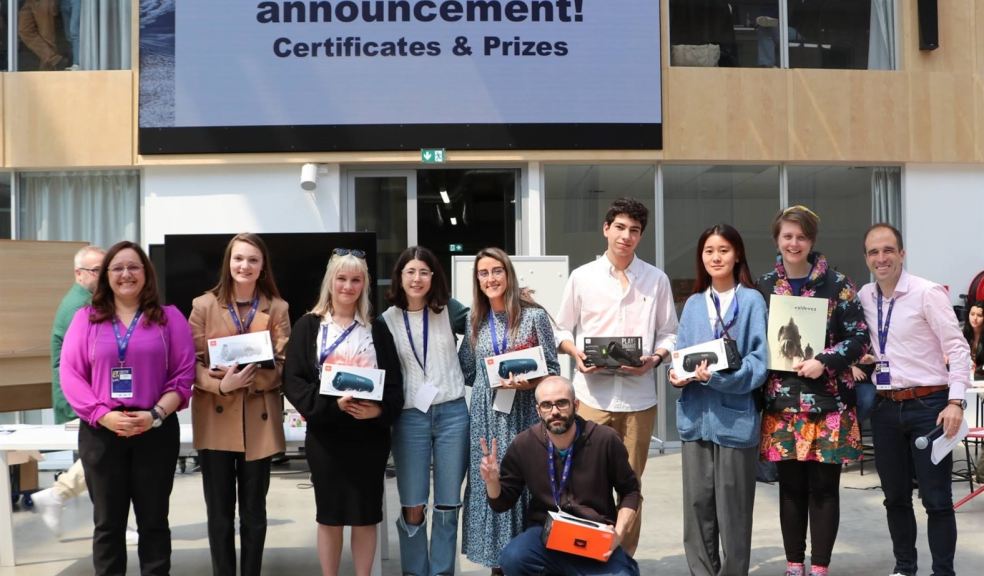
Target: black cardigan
column 302, row 379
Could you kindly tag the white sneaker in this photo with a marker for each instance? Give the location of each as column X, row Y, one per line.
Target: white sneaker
column 48, row 504
column 132, row 537
column 74, row 68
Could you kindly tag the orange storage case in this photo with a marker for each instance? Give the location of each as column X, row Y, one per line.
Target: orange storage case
column 566, row 533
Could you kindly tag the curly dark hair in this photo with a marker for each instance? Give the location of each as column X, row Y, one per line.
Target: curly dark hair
column 629, row 207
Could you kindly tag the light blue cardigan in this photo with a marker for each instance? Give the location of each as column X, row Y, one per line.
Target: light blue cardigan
column 723, row 409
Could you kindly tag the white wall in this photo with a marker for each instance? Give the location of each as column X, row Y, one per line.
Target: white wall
column 235, row 198
column 943, row 223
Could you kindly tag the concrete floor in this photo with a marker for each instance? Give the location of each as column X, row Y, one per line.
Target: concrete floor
column 863, row 546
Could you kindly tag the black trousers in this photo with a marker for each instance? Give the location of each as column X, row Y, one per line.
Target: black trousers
column 118, row 471
column 809, row 493
column 224, row 474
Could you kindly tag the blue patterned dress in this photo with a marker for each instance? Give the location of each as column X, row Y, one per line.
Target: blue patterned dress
column 484, row 532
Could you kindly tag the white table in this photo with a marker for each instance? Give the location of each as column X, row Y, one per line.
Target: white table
column 56, row 437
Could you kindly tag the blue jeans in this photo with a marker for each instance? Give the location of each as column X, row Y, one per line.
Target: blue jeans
column 70, row 12
column 441, row 436
column 525, row 555
column 866, row 396
column 895, row 426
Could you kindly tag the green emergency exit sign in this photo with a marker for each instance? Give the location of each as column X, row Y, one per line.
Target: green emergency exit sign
column 432, row 155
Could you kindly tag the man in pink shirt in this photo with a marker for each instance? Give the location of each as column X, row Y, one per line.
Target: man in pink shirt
column 913, row 331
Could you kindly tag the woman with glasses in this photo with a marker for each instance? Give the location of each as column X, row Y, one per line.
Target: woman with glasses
column 809, row 425
column 348, row 439
column 717, row 415
column 237, row 413
column 501, row 321
column 127, row 365
column 433, row 429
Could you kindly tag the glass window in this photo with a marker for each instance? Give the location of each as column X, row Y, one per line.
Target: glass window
column 577, row 199
column 4, row 39
column 855, row 34
column 100, row 207
column 5, row 213
column 72, row 34
column 848, row 199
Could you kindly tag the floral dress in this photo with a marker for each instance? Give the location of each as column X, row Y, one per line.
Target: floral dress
column 794, row 425
column 485, row 533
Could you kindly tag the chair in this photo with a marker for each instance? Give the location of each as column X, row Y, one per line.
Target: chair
column 973, row 435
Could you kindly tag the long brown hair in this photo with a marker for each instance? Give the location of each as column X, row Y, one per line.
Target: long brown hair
column 515, row 302
column 104, row 301
column 224, row 291
column 741, row 272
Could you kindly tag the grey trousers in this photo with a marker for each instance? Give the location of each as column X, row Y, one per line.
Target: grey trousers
column 718, row 497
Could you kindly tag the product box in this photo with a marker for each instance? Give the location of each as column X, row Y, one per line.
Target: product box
column 354, row 381
column 613, row 351
column 527, row 363
column 685, row 361
column 573, row 535
column 241, row 349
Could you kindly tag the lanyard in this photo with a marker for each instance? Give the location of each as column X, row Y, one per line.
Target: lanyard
column 883, row 330
column 406, row 322
column 722, row 329
column 242, row 326
column 505, row 334
column 555, row 487
column 325, row 353
column 122, row 342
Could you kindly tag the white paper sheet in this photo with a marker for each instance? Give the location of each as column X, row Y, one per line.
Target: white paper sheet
column 943, row 445
column 424, row 396
column 504, row 400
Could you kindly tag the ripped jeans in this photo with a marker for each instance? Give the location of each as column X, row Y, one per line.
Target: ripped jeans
column 440, row 436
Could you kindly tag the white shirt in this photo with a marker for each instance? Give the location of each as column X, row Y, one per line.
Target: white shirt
column 356, row 350
column 443, row 369
column 595, row 304
column 724, row 301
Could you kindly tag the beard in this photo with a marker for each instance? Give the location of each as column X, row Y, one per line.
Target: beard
column 558, row 424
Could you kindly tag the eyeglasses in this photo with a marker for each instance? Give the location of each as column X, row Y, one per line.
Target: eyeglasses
column 346, row 251
column 423, row 274
column 94, row 269
column 497, row 272
column 131, row 268
column 548, row 406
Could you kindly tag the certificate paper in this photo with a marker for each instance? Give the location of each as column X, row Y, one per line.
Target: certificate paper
column 424, row 396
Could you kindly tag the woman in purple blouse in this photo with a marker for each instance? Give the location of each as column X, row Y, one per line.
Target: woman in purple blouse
column 127, row 365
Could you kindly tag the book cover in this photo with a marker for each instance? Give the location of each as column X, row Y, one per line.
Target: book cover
column 797, row 330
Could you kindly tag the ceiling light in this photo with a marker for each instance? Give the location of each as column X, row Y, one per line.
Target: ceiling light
column 454, row 221
column 444, row 196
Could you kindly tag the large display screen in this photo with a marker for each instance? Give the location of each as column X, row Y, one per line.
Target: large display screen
column 235, row 76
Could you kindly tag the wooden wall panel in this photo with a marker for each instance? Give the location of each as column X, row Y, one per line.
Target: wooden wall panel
column 64, row 120
column 848, row 115
column 725, row 113
column 35, row 277
column 942, row 117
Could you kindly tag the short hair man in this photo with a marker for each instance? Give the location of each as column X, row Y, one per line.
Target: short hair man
column 914, row 330
column 49, row 502
column 620, row 295
column 589, row 462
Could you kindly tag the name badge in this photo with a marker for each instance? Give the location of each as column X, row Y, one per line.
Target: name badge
column 883, row 376
column 121, row 382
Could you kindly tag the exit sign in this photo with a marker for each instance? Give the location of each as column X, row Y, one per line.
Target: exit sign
column 455, row 248
column 432, row 155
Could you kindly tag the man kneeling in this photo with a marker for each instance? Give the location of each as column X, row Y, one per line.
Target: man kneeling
column 568, row 464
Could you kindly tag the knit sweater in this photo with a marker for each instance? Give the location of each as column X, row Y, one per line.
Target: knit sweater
column 722, row 410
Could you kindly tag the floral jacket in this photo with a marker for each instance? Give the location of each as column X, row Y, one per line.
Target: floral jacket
column 847, row 342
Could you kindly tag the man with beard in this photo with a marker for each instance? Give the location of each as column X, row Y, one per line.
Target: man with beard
column 589, row 462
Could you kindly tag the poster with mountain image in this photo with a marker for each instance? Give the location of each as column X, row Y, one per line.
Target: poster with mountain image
column 797, row 330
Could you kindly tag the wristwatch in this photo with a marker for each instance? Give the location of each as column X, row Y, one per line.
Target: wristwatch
column 158, row 419
column 961, row 403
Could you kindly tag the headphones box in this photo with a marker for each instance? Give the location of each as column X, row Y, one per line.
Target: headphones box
column 685, row 361
column 613, row 351
column 572, row 535
column 241, row 349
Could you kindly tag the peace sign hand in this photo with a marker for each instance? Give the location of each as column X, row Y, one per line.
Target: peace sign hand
column 489, row 467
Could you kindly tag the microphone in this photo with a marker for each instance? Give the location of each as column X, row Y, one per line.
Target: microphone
column 923, row 441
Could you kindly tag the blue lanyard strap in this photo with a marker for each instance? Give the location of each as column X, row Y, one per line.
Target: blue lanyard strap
column 326, row 352
column 555, row 487
column 123, row 342
column 242, row 326
column 722, row 329
column 883, row 330
column 406, row 322
column 499, row 349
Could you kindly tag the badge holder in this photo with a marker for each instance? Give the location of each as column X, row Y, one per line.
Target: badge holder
column 121, row 382
column 883, row 376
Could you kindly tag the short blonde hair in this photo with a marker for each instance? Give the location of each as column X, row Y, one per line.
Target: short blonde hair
column 336, row 264
column 806, row 219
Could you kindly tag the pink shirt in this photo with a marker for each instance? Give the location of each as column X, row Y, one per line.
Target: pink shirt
column 162, row 359
column 923, row 330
